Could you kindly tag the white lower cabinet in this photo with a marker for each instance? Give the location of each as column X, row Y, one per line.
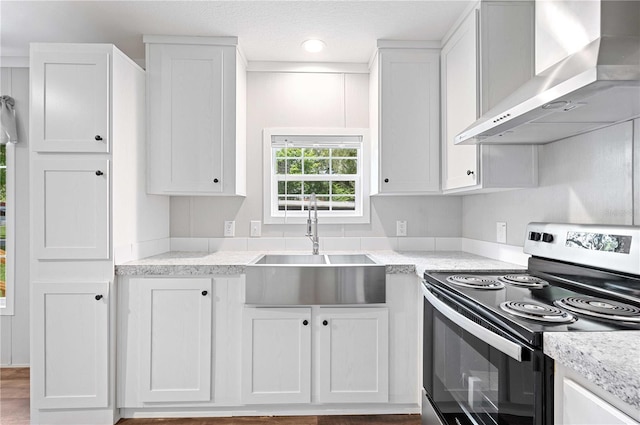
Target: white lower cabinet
column 351, row 355
column 70, row 363
column 578, row 401
column 276, row 355
column 175, row 343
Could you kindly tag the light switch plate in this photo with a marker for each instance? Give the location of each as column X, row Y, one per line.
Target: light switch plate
column 229, row 228
column 401, row 228
column 501, row 232
column 256, row 228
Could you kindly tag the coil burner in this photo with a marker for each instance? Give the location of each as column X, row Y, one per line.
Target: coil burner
column 476, row 282
column 536, row 311
column 524, row 280
column 600, row 308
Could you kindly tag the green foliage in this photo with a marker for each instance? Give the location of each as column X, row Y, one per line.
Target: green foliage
column 3, row 173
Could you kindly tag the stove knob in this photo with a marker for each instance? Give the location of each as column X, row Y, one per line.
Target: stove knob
column 547, row 237
column 534, row 236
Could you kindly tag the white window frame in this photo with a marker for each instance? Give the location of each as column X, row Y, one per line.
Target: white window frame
column 271, row 215
column 10, row 246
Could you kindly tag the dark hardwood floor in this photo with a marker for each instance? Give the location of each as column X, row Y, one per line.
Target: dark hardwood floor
column 14, row 410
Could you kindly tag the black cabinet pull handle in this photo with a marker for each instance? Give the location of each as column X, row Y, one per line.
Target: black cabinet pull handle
column 98, row 297
column 386, row 180
column 216, row 180
column 204, row 293
column 325, row 323
column 99, row 173
column 469, row 172
column 305, row 322
column 98, row 137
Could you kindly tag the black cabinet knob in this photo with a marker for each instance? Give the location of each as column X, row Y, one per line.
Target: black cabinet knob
column 547, row 237
column 204, row 293
column 469, row 172
column 325, row 323
column 386, row 180
column 305, row 322
column 99, row 173
column 98, row 297
column 216, row 180
column 98, row 137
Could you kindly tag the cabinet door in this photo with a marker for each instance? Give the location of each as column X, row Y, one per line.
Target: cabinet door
column 175, row 345
column 409, row 121
column 582, row 407
column 188, row 86
column 71, row 209
column 71, row 345
column 276, row 355
column 353, row 354
column 70, row 102
column 460, row 104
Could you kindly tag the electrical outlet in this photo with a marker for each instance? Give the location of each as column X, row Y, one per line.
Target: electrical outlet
column 401, row 228
column 501, row 232
column 229, row 228
column 256, row 228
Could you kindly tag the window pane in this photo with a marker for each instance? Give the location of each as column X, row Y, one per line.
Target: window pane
column 316, row 166
column 344, row 203
column 322, row 202
column 319, row 188
column 344, row 166
column 315, row 152
column 290, row 203
column 288, row 152
column 343, row 188
column 289, row 166
column 345, row 152
column 3, row 220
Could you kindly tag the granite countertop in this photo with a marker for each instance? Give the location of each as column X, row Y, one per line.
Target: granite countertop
column 234, row 262
column 611, row 360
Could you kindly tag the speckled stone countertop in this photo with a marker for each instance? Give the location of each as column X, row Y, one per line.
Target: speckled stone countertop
column 234, row 262
column 611, row 360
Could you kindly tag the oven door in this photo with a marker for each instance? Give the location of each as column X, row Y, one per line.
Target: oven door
column 477, row 375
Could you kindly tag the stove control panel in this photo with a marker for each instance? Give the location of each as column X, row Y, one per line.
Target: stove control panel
column 615, row 248
column 538, row 236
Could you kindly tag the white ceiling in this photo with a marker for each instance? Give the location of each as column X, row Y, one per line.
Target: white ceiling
column 267, row 30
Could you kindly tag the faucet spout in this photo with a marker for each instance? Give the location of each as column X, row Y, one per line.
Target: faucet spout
column 312, row 225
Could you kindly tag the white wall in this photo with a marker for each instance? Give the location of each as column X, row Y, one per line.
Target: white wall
column 14, row 330
column 584, row 179
column 309, row 100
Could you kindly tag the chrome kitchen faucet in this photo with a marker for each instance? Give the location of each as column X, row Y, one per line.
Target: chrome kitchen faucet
column 312, row 225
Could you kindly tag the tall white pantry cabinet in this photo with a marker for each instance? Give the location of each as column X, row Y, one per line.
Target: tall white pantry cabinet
column 87, row 103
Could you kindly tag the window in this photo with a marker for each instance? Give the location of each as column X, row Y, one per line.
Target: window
column 333, row 164
column 7, row 153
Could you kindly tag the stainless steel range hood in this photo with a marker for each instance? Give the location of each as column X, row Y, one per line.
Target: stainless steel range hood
column 596, row 86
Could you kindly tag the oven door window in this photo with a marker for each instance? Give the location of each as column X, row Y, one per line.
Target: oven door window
column 471, row 382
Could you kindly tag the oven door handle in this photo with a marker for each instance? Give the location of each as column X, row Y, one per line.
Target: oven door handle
column 501, row 344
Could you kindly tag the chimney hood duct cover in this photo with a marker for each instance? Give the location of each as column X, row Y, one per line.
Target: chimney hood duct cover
column 595, row 87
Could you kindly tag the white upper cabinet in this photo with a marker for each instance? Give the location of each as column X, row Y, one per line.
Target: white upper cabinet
column 486, row 58
column 70, row 101
column 196, row 99
column 404, row 106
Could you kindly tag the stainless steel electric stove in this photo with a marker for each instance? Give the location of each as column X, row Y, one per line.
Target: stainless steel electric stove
column 483, row 342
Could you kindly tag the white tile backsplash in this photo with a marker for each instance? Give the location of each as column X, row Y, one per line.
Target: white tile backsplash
column 266, row 244
column 340, row 244
column 227, row 244
column 416, row 244
column 378, row 244
column 190, row 244
column 448, row 244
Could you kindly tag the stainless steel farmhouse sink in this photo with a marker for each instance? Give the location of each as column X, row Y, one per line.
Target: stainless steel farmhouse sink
column 295, row 279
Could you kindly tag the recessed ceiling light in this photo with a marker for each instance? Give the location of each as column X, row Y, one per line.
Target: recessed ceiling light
column 313, row 46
